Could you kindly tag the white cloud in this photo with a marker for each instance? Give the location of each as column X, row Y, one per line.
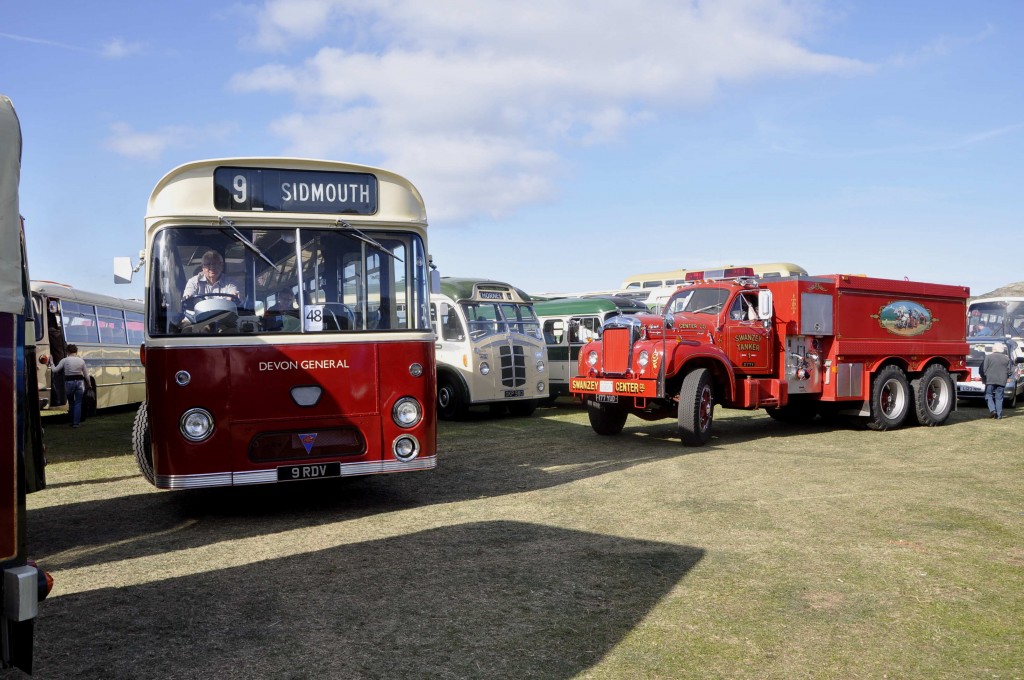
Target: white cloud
column 118, row 49
column 472, row 96
column 131, row 143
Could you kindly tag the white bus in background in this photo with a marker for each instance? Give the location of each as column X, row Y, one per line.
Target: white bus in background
column 674, row 277
column 489, row 348
column 109, row 333
column 1001, row 317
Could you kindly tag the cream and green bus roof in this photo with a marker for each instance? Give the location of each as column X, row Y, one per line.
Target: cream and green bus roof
column 465, row 289
column 582, row 306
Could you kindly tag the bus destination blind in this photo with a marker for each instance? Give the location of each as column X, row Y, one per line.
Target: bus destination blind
column 299, row 191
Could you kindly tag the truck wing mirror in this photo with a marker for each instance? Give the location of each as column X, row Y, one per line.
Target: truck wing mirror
column 764, row 305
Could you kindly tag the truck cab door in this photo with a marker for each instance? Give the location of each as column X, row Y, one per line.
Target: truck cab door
column 744, row 337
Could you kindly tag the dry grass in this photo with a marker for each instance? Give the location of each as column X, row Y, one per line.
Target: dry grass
column 539, row 550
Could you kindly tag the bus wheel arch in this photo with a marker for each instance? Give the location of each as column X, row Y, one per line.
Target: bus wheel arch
column 142, row 444
column 452, row 396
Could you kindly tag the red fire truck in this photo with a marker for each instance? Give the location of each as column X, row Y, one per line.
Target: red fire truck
column 797, row 347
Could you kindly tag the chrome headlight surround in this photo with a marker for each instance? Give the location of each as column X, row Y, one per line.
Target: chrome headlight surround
column 405, row 448
column 407, row 412
column 643, row 358
column 540, row 365
column 196, row 424
column 592, row 358
column 485, row 368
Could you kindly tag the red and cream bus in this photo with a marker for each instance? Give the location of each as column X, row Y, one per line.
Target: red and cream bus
column 288, row 331
column 22, row 466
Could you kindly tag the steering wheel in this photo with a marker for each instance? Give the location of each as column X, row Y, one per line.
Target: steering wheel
column 190, row 301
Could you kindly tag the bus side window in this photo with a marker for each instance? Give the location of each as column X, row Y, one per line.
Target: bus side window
column 554, row 331
column 452, row 328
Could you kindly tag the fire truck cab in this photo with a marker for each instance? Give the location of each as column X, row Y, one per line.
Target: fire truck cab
column 797, row 347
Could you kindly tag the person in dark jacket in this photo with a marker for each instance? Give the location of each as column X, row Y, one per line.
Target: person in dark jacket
column 995, row 371
column 76, row 377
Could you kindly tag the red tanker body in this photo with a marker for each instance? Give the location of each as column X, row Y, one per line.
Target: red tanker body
column 797, row 347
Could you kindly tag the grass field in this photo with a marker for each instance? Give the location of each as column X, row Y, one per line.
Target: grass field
column 539, row 550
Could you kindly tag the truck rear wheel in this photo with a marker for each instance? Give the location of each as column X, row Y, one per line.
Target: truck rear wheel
column 605, row 418
column 890, row 399
column 933, row 396
column 142, row 444
column 696, row 407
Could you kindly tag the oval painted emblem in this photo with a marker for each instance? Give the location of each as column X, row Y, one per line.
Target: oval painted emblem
column 904, row 317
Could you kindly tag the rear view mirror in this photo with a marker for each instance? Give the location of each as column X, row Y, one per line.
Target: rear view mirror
column 123, row 270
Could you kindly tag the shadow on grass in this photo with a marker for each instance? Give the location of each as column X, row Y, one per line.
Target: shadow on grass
column 487, row 600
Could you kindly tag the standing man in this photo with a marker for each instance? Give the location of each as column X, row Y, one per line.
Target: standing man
column 995, row 371
column 76, row 373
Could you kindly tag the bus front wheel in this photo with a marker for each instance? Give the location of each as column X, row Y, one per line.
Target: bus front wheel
column 142, row 445
column 451, row 405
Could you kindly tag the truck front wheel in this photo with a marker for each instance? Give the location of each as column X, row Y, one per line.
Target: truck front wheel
column 696, row 407
column 142, row 444
column 890, row 399
column 933, row 396
column 606, row 418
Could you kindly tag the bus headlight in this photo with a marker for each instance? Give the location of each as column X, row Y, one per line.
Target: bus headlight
column 407, row 412
column 196, row 424
column 405, row 448
column 643, row 359
column 540, row 366
column 415, row 369
column 592, row 358
column 484, row 368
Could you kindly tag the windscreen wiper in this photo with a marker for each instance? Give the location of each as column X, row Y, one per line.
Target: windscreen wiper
column 360, row 236
column 249, row 244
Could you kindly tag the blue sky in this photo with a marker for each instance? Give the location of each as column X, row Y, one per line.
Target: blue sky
column 559, row 146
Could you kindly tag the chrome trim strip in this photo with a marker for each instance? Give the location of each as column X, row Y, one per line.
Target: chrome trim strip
column 375, row 467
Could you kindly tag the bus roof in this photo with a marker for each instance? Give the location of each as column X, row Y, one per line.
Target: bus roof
column 587, row 305
column 62, row 291
column 12, row 297
column 468, row 289
column 188, row 191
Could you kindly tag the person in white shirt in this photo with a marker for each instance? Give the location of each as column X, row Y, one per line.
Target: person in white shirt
column 210, row 281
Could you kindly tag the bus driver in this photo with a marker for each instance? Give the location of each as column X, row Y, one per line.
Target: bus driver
column 209, row 282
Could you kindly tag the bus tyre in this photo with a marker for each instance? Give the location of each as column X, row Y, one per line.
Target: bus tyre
column 521, row 409
column 142, row 444
column 606, row 419
column 696, row 407
column 451, row 405
column 890, row 399
column 933, row 396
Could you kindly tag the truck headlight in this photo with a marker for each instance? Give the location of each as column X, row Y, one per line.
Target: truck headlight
column 592, row 358
column 643, row 359
column 196, row 424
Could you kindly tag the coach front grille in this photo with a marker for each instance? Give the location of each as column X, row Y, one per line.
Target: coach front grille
column 513, row 365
